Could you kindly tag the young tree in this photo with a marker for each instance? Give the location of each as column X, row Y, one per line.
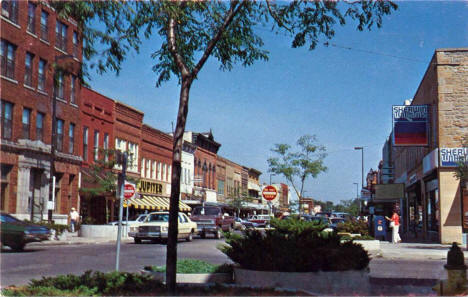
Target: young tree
column 297, row 166
column 194, row 31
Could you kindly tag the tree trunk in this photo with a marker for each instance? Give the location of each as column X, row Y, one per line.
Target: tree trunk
column 171, row 254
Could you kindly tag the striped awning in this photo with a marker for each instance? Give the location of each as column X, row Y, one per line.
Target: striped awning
column 151, row 202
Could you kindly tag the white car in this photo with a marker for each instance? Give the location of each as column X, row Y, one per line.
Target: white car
column 139, row 219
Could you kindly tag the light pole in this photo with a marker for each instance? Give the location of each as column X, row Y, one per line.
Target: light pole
column 53, row 143
column 270, row 177
column 357, row 196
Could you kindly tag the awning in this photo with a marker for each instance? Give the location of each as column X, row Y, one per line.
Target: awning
column 151, row 202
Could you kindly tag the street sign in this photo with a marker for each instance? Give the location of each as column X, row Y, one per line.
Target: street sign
column 269, row 193
column 129, row 191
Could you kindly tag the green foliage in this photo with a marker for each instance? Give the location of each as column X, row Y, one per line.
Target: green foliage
column 294, row 246
column 194, row 266
column 355, row 226
column 88, row 284
column 350, row 206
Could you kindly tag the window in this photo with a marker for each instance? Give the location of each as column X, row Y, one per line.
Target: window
column 85, row 143
column 75, row 44
column 26, row 121
column 133, row 157
column 7, row 55
column 39, row 126
column 153, row 170
column 71, row 138
column 142, row 167
column 32, row 17
column 106, row 147
column 147, row 169
column 159, row 171
column 28, row 69
column 59, row 135
column 61, row 36
column 44, row 26
column 220, row 187
column 163, row 172
column 169, row 178
column 60, row 85
column 72, row 89
column 41, row 77
column 7, row 117
column 10, row 10
column 96, row 145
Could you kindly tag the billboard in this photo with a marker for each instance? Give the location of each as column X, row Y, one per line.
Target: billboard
column 389, row 191
column 410, row 125
column 451, row 157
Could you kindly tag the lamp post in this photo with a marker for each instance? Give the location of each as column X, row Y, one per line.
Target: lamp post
column 357, row 196
column 270, row 177
column 53, row 143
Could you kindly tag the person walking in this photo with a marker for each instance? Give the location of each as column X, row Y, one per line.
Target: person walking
column 395, row 225
column 74, row 218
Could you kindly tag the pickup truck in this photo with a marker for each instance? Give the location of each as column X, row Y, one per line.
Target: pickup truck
column 211, row 219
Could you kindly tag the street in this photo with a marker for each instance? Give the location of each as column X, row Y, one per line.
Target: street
column 41, row 260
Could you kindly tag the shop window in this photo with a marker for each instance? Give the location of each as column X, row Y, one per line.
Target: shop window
column 32, row 17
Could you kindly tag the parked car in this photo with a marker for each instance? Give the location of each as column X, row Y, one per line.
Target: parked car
column 16, row 234
column 155, row 227
column 324, row 220
column 335, row 221
column 212, row 219
column 260, row 220
column 238, row 224
column 140, row 218
column 323, row 214
column 343, row 215
column 245, row 224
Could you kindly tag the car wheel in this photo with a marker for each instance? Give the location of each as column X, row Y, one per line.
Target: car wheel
column 18, row 246
column 218, row 234
column 137, row 240
column 189, row 237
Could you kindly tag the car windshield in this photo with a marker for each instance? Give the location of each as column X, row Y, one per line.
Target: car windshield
column 159, row 217
column 208, row 211
column 141, row 218
column 9, row 219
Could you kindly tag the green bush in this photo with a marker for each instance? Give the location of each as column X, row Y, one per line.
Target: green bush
column 294, row 246
column 357, row 226
column 194, row 266
column 88, row 284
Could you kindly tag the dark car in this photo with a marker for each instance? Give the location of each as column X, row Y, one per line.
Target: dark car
column 16, row 234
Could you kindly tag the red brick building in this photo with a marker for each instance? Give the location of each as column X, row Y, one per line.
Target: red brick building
column 32, row 41
column 205, row 186
column 97, row 118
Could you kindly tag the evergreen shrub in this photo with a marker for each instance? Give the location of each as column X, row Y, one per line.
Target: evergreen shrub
column 294, row 246
column 355, row 226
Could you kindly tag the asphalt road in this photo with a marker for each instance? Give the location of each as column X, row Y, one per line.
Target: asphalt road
column 17, row 268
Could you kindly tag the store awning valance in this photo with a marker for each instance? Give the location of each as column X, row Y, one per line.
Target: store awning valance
column 151, row 202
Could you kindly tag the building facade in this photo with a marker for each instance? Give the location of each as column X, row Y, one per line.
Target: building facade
column 36, row 46
column 436, row 205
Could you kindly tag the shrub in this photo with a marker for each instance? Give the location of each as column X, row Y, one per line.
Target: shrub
column 194, row 266
column 294, row 246
column 59, row 228
column 88, row 284
column 357, row 226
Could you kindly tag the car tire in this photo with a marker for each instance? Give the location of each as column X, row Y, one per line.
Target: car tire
column 18, row 246
column 189, row 237
column 218, row 234
column 137, row 240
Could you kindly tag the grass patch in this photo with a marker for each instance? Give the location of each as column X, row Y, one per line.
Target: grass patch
column 194, row 266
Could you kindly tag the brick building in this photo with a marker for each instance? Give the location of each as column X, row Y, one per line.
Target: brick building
column 97, row 118
column 434, row 207
column 35, row 47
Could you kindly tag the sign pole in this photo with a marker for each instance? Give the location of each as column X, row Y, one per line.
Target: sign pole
column 121, row 196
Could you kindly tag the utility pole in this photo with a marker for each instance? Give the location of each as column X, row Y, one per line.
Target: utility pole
column 122, row 159
column 362, row 171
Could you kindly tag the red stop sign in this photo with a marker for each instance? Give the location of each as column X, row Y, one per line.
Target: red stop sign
column 129, row 191
column 269, row 193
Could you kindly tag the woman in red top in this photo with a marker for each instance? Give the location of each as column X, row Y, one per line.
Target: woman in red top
column 396, row 226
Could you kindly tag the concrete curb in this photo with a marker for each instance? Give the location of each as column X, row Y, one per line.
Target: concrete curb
column 396, row 281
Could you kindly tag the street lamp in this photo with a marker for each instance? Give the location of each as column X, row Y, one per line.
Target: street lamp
column 53, row 143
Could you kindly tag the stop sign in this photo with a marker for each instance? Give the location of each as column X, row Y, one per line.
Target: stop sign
column 129, row 191
column 269, row 193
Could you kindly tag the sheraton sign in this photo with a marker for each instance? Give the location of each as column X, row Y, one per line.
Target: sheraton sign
column 147, row 187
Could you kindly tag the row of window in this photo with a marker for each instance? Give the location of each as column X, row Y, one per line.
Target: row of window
column 10, row 11
column 8, row 62
column 96, row 148
column 155, row 170
column 132, row 149
column 26, row 123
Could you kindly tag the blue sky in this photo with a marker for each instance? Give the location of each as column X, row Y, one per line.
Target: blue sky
column 343, row 96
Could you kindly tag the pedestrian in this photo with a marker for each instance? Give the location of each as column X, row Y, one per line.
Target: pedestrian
column 74, row 219
column 395, row 225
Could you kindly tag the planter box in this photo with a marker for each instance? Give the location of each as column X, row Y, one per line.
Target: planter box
column 369, row 245
column 193, row 278
column 351, row 282
column 101, row 231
